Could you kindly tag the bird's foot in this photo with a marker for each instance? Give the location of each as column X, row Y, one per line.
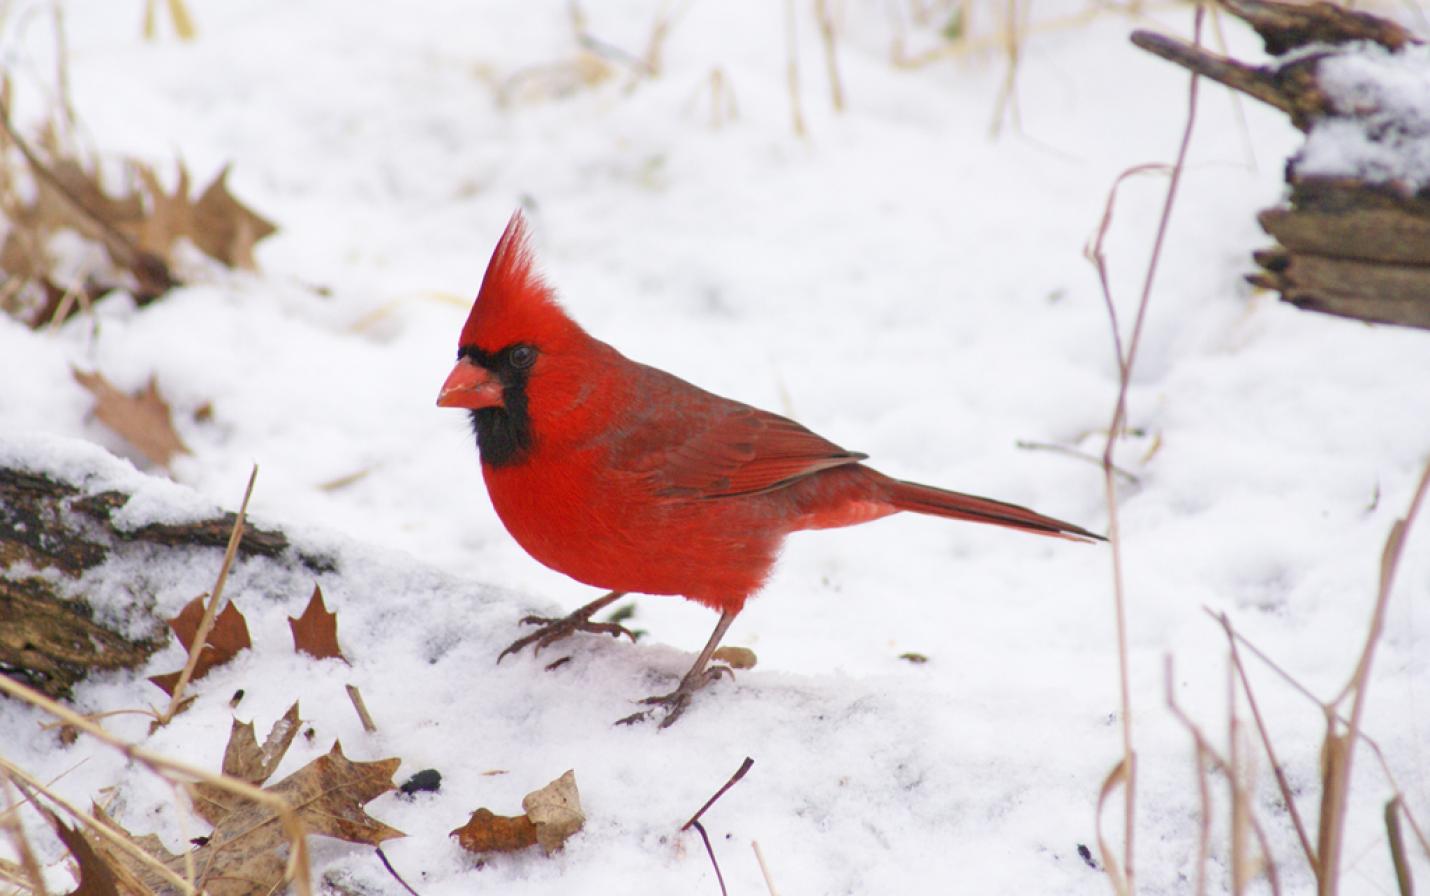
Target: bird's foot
column 553, row 629
column 677, row 700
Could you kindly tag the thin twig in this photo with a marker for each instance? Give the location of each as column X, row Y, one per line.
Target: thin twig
column 355, row 696
column 390, row 870
column 734, row 779
column 206, row 624
column 1130, row 478
column 700, row 828
column 1125, row 364
column 764, row 869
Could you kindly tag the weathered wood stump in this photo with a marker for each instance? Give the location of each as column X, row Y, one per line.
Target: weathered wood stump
column 50, row 637
column 1352, row 246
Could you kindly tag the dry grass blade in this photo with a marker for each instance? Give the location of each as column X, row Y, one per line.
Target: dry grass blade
column 1012, row 40
column 211, row 610
column 792, row 69
column 120, row 842
column 1403, row 881
column 1206, row 752
column 1240, row 641
column 831, row 57
column 1340, row 747
column 1283, row 785
column 10, row 821
column 764, row 869
column 168, row 768
column 1119, row 776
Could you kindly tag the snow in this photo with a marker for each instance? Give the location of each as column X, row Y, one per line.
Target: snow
column 899, row 281
column 1379, row 129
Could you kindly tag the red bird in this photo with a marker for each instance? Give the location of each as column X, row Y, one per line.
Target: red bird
column 627, row 478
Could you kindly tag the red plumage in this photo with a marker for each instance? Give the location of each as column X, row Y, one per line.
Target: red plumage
column 627, row 478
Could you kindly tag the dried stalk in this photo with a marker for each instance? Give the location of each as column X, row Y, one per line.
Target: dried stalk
column 831, row 58
column 792, row 45
column 165, row 767
column 1341, row 747
column 210, row 609
column 1126, row 359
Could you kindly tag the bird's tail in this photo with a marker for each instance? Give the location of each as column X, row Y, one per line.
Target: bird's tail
column 918, row 498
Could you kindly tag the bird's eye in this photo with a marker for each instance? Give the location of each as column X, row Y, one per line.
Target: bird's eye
column 522, row 356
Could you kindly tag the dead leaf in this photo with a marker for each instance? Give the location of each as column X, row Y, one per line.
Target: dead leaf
column 225, row 228
column 170, row 216
column 735, row 657
column 556, row 811
column 143, row 420
column 133, row 877
column 50, row 184
column 228, row 636
column 316, row 631
column 553, row 814
column 245, row 760
column 485, row 832
column 248, row 849
column 247, row 852
column 96, row 878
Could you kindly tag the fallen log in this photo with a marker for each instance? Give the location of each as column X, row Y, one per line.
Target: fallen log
column 52, row 531
column 1353, row 238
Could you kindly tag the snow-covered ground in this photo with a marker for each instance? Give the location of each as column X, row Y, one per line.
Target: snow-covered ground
column 897, row 280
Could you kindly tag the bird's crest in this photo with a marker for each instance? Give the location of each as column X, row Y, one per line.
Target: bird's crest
column 514, row 303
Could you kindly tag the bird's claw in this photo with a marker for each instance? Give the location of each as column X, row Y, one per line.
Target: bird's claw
column 556, row 628
column 677, row 700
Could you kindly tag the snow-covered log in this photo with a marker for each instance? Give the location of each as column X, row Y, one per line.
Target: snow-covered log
column 1354, row 236
column 55, row 527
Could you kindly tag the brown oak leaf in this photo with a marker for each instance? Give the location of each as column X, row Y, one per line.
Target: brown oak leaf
column 248, row 850
column 133, row 877
column 96, row 877
column 316, row 631
column 245, row 760
column 142, row 419
column 228, row 636
column 225, row 228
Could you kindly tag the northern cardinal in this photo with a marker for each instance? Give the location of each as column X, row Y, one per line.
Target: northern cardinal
column 630, row 479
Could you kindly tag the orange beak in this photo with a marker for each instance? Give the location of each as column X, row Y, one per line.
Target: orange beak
column 470, row 386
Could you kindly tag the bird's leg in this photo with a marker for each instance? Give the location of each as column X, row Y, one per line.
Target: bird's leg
column 700, row 674
column 553, row 629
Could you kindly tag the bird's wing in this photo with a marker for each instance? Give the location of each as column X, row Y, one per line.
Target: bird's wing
column 744, row 451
